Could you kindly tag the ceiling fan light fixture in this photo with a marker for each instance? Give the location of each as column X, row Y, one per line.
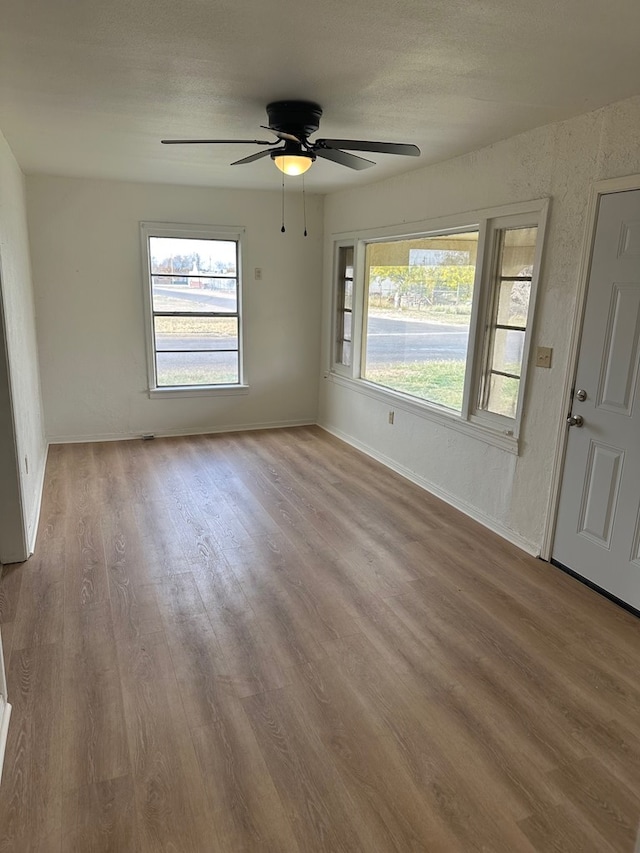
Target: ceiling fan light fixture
column 293, row 164
column 293, row 123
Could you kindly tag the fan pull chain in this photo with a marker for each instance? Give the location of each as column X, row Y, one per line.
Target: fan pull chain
column 283, row 229
column 304, row 207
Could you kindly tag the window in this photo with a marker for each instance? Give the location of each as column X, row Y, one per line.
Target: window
column 419, row 298
column 441, row 320
column 344, row 306
column 193, row 301
column 506, row 328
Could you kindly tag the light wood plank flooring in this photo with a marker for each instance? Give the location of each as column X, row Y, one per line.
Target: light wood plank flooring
column 268, row 642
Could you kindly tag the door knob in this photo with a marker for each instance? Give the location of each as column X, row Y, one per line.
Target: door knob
column 575, row 420
column 581, row 395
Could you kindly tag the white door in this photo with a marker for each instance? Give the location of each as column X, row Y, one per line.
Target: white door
column 598, row 524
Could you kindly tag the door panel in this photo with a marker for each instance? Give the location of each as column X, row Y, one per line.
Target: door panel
column 598, row 524
column 600, row 493
column 620, row 357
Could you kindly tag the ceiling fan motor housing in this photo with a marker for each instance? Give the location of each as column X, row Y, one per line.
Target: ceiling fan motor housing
column 300, row 118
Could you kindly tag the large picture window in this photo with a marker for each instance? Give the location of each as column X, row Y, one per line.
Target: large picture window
column 193, row 298
column 419, row 299
column 441, row 321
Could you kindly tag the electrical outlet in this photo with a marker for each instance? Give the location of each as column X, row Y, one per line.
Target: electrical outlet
column 391, row 416
column 257, row 273
column 543, row 356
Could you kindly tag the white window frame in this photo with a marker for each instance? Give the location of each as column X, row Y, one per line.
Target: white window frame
column 198, row 232
column 494, row 429
column 337, row 307
column 496, row 225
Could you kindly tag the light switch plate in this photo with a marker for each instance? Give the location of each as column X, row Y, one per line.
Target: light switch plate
column 543, row 356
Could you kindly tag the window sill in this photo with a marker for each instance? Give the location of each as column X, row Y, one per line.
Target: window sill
column 481, row 432
column 194, row 391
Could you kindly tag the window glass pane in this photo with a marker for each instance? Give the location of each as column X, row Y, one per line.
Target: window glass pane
column 209, row 294
column 507, row 351
column 166, row 280
column 196, row 368
column 196, row 333
column 503, row 395
column 419, row 297
column 347, row 326
column 519, row 249
column 513, row 303
column 346, row 354
column 177, row 255
column 348, row 294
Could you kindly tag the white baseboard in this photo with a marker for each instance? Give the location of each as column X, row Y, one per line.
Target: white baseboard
column 4, row 733
column 122, row 436
column 439, row 492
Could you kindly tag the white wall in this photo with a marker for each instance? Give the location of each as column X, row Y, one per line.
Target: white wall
column 22, row 444
column 89, row 301
column 560, row 161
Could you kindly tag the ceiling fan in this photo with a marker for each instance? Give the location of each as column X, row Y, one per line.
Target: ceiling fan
column 293, row 122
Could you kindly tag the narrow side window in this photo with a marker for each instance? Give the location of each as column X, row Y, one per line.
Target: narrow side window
column 344, row 307
column 508, row 320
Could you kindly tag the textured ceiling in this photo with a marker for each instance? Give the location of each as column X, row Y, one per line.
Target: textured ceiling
column 89, row 88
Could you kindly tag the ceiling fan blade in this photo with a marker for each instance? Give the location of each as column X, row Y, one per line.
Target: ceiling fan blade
column 363, row 145
column 343, row 158
column 216, row 142
column 251, row 158
column 282, row 135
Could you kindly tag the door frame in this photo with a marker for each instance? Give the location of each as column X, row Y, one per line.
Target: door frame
column 598, row 189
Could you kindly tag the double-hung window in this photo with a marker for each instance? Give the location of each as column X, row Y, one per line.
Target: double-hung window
column 440, row 321
column 193, row 301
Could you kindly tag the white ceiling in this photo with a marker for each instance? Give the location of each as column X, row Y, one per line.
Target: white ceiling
column 89, row 88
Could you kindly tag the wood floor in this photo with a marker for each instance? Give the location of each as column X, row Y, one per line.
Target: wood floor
column 268, row 642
